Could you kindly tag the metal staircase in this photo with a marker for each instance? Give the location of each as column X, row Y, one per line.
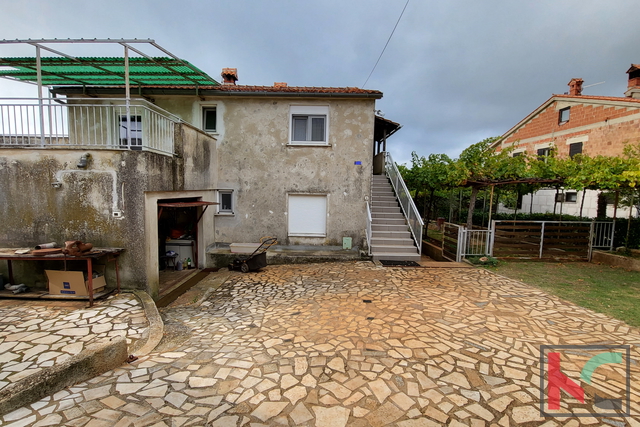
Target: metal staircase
column 391, row 238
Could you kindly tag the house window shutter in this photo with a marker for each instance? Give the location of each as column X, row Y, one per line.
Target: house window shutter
column 575, row 148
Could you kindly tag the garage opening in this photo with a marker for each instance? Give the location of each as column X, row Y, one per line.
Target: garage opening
column 178, row 239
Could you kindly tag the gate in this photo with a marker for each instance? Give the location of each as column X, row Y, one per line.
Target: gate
column 450, row 241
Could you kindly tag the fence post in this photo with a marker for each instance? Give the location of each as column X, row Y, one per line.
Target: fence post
column 613, row 233
column 493, row 236
column 461, row 243
column 542, row 239
column 591, row 237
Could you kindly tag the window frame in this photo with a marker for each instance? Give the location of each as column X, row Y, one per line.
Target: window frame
column 203, row 117
column 220, row 209
column 310, row 112
column 561, row 112
column 546, row 151
column 571, row 195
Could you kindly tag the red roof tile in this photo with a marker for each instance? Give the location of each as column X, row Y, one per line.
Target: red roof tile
column 600, row 98
column 291, row 89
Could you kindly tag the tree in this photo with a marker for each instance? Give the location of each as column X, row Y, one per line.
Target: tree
column 431, row 174
column 480, row 165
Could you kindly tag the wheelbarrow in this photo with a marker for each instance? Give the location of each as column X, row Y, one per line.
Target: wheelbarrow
column 255, row 261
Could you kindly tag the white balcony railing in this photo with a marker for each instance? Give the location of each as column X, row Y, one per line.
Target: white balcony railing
column 86, row 123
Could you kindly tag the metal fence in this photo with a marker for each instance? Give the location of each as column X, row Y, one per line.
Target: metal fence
column 550, row 239
column 406, row 201
column 458, row 242
column 528, row 239
column 95, row 124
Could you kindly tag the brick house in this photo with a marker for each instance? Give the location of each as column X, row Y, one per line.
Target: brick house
column 573, row 123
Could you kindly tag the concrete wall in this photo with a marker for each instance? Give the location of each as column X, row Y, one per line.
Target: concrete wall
column 543, row 202
column 82, row 202
column 256, row 161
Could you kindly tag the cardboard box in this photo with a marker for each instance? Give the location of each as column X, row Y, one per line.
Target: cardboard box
column 72, row 283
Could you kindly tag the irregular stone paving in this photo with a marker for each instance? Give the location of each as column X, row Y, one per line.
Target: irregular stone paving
column 300, row 345
column 36, row 335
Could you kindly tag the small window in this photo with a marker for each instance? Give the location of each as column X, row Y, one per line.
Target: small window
column 225, row 198
column 309, row 125
column 134, row 124
column 518, row 153
column 571, row 197
column 564, row 115
column 543, row 153
column 575, row 148
column 308, row 128
column 209, row 119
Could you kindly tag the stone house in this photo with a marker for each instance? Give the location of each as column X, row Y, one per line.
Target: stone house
column 574, row 123
column 173, row 153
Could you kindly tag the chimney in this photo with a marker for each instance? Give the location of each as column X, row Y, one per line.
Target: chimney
column 633, row 87
column 229, row 76
column 575, row 87
column 279, row 84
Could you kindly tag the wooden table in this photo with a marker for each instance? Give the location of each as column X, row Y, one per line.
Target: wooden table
column 110, row 253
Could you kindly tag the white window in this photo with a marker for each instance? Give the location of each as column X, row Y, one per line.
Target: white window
column 309, row 125
column 571, row 197
column 209, row 119
column 225, row 200
column 307, row 215
column 134, row 125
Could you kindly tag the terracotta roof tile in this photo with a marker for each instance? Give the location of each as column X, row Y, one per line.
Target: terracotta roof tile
column 600, row 98
column 291, row 89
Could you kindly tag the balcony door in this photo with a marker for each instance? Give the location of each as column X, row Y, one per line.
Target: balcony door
column 134, row 124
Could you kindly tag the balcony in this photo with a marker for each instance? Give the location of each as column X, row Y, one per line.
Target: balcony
column 86, row 123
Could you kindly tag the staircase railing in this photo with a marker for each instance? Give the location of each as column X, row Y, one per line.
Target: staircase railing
column 369, row 233
column 406, row 201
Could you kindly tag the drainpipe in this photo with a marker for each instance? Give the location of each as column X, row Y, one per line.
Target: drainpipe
column 40, row 105
column 128, row 93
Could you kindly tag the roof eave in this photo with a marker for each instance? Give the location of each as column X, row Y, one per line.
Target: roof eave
column 77, row 90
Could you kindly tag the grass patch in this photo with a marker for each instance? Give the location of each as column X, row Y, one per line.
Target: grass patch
column 613, row 291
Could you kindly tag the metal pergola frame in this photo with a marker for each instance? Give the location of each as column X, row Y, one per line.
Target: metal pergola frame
column 42, row 44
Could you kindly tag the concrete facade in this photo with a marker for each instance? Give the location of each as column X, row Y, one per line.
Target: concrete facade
column 114, row 201
column 45, row 197
column 262, row 167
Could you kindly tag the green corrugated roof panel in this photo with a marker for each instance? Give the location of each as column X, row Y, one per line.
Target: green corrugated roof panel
column 105, row 71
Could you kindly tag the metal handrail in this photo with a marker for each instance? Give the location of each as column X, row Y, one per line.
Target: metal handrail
column 409, row 209
column 369, row 231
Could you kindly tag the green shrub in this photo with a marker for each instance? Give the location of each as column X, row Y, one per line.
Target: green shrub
column 486, row 261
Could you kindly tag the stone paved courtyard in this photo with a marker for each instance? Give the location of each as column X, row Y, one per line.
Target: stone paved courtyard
column 36, row 335
column 352, row 344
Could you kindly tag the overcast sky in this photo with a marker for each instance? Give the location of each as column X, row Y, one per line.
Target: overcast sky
column 454, row 73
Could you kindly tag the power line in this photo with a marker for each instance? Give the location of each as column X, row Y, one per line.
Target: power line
column 385, row 46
